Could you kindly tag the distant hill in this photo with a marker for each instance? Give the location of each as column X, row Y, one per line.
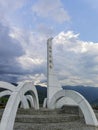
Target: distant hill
column 90, row 93
column 15, row 84
column 42, row 93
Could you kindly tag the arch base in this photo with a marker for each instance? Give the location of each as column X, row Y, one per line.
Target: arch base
column 89, row 115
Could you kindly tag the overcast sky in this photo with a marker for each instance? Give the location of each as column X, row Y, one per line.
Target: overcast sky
column 25, row 26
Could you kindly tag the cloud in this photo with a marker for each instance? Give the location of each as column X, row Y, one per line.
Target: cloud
column 8, row 45
column 11, row 3
column 10, row 50
column 75, row 60
column 45, row 30
column 34, row 60
column 23, row 52
column 23, row 57
column 51, row 10
column 17, row 61
column 8, row 9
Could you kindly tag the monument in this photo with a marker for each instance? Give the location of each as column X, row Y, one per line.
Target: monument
column 55, row 93
column 53, row 84
column 56, row 96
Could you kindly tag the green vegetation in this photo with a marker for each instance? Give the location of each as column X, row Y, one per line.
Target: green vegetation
column 3, row 101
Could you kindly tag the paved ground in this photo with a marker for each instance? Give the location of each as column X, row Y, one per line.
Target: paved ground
column 49, row 120
column 75, row 125
column 52, row 123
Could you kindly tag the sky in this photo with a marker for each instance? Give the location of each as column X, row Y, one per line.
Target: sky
column 25, row 26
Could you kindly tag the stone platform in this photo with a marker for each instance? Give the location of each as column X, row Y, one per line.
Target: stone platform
column 44, row 119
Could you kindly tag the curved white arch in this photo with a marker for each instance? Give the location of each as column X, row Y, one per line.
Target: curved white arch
column 10, row 88
column 24, row 102
column 29, row 97
column 65, row 101
column 88, row 113
column 7, row 86
column 9, row 114
column 4, row 93
column 45, row 103
column 34, row 92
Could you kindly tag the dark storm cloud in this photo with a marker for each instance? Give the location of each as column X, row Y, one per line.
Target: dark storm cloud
column 8, row 78
column 10, row 50
column 9, row 47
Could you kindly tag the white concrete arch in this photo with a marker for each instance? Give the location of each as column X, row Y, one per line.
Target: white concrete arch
column 83, row 104
column 65, row 101
column 45, row 103
column 29, row 97
column 5, row 93
column 23, row 101
column 7, row 86
column 33, row 93
column 8, row 118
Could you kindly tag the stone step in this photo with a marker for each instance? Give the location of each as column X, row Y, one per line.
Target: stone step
column 42, row 111
column 74, row 125
column 34, row 112
column 45, row 118
column 38, row 112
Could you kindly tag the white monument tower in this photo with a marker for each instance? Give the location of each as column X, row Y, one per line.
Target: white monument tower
column 55, row 92
column 53, row 84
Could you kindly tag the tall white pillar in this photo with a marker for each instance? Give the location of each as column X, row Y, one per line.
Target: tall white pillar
column 53, row 84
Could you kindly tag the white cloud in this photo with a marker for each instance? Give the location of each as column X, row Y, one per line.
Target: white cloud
column 51, row 9
column 28, row 63
column 8, row 8
column 11, row 4
column 34, row 60
column 23, row 52
column 36, row 78
column 33, row 43
column 75, row 60
column 43, row 29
